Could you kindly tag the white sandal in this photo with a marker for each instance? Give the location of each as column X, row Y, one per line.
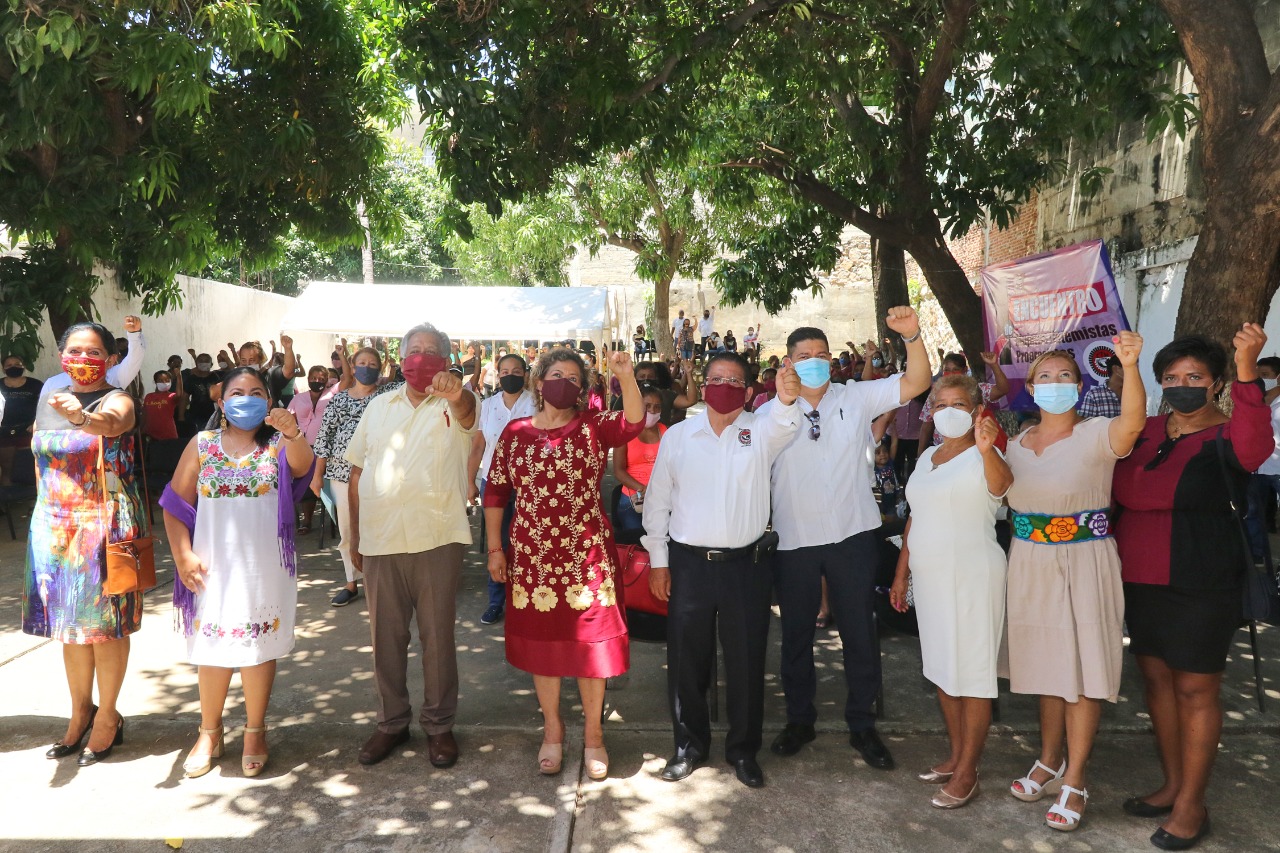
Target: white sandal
column 1033, row 790
column 1070, row 816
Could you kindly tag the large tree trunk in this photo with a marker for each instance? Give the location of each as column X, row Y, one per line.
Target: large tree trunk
column 962, row 306
column 889, row 271
column 1234, row 271
column 662, row 315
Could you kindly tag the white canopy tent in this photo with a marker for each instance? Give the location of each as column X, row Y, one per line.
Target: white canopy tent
column 463, row 313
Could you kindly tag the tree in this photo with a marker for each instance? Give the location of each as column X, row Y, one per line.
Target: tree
column 907, row 120
column 152, row 136
column 1235, row 269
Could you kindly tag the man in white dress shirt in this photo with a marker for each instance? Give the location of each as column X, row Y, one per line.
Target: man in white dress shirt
column 706, row 326
column 703, row 542
column 676, row 325
column 119, row 374
column 825, row 517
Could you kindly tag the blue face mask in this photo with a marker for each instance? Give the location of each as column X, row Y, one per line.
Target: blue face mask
column 1057, row 397
column 813, row 372
column 366, row 375
column 245, row 412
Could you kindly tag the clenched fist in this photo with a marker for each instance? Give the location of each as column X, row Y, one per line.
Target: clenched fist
column 788, row 383
column 620, row 363
column 447, row 386
column 985, row 433
column 1128, row 348
column 903, row 320
column 283, row 422
column 133, row 323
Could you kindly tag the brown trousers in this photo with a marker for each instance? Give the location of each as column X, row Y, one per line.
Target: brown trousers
column 398, row 587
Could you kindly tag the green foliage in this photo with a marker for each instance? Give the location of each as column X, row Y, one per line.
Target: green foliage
column 154, row 136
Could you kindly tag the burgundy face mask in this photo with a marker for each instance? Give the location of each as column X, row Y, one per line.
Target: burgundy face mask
column 560, row 393
column 420, row 368
column 724, row 398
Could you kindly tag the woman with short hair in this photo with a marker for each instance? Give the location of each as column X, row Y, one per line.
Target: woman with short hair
column 950, row 554
column 1184, row 560
column 564, row 618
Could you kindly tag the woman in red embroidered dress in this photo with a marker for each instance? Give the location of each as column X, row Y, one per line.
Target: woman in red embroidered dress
column 563, row 614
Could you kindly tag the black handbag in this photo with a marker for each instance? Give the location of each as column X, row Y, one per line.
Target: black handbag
column 1259, row 583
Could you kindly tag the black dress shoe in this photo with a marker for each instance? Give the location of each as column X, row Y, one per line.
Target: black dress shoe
column 1141, row 808
column 680, row 766
column 873, row 750
column 380, row 745
column 1168, row 841
column 90, row 757
column 791, row 738
column 748, row 772
column 62, row 750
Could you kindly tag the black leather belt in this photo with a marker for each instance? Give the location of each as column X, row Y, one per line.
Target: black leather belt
column 717, row 555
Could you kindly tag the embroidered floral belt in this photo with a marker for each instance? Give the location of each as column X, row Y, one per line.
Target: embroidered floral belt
column 1062, row 529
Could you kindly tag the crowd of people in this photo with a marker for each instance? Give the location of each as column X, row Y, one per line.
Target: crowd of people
column 1118, row 520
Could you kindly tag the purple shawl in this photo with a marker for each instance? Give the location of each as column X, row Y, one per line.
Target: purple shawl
column 290, row 491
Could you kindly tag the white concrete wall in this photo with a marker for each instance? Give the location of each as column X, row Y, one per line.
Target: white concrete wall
column 212, row 314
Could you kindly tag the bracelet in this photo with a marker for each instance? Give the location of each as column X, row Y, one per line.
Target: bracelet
column 913, row 338
column 84, row 420
column 495, row 550
column 297, row 435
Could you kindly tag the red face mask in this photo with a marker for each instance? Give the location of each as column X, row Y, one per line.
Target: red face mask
column 560, row 393
column 770, row 386
column 724, row 398
column 420, row 368
column 84, row 369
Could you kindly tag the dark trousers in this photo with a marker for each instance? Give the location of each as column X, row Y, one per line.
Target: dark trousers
column 849, row 568
column 737, row 592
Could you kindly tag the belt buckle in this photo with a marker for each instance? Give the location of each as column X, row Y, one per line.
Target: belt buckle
column 713, row 554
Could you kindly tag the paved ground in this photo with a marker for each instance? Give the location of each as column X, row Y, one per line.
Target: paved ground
column 315, row 796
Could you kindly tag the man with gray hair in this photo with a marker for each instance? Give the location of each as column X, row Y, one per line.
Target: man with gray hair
column 409, row 528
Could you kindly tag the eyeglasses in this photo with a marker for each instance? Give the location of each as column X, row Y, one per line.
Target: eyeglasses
column 815, row 428
column 725, row 380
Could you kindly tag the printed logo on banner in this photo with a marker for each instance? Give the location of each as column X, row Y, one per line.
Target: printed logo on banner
column 1095, row 359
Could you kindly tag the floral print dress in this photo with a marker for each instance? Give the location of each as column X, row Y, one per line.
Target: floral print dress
column 245, row 615
column 563, row 613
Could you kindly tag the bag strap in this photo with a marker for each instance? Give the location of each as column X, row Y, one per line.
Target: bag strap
column 1236, row 508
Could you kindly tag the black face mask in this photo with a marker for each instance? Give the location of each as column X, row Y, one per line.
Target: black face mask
column 316, row 386
column 14, row 371
column 511, row 383
column 123, row 351
column 1186, row 399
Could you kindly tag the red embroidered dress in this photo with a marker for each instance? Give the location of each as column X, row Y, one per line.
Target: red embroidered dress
column 563, row 614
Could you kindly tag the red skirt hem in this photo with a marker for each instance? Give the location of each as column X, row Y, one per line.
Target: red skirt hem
column 570, row 658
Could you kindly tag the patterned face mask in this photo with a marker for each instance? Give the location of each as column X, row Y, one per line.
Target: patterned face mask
column 84, row 369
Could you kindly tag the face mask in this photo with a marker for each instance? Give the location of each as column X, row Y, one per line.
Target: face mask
column 223, row 364
column 1267, row 384
column 366, row 375
column 560, row 393
column 952, row 423
column 1057, row 397
column 771, row 387
column 162, row 387
column 651, row 419
column 421, row 368
column 511, row 383
column 204, row 365
column 316, row 386
column 123, row 351
column 813, row 372
column 245, row 412
column 724, row 398
column 84, row 369
column 17, row 371
column 877, row 361
column 1186, row 398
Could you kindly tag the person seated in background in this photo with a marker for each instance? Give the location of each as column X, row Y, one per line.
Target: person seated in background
column 1103, row 400
column 633, row 462
column 729, row 342
column 885, row 482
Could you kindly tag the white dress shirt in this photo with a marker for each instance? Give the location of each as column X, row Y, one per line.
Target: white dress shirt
column 119, row 375
column 494, row 417
column 676, row 325
column 712, row 490
column 1272, row 466
column 707, row 325
column 822, row 489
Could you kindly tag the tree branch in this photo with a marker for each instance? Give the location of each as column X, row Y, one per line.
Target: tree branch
column 631, row 242
column 730, row 27
column 826, row 197
column 853, row 112
column 941, row 63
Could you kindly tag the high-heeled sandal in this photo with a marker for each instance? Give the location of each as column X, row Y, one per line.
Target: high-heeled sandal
column 1033, row 790
column 597, row 762
column 1070, row 817
column 62, row 750
column 247, row 760
column 551, row 758
column 89, row 757
column 196, row 766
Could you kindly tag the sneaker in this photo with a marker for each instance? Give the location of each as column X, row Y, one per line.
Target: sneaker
column 345, row 597
column 493, row 614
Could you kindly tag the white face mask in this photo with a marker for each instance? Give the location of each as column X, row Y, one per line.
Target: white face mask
column 163, row 386
column 651, row 419
column 952, row 423
column 1268, row 384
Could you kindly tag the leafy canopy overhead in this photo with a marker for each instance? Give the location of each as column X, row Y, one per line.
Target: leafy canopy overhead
column 152, row 136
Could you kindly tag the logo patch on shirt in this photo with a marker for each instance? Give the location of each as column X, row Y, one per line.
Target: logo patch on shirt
column 744, row 437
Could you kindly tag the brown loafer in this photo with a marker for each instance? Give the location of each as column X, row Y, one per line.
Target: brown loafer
column 442, row 749
column 380, row 745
